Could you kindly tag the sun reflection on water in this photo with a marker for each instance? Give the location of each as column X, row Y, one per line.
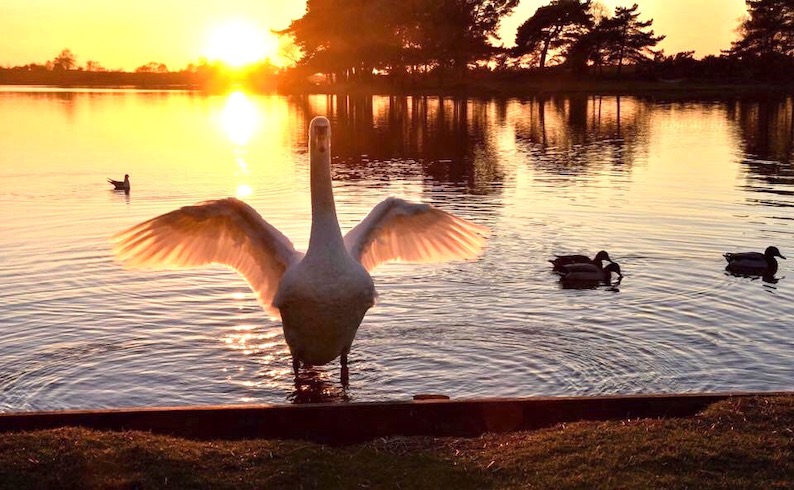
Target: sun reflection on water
column 241, row 120
column 243, row 190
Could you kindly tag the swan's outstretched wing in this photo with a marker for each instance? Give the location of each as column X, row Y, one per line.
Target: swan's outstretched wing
column 226, row 231
column 397, row 229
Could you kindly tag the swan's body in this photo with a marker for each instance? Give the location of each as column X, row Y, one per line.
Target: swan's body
column 322, row 295
column 562, row 260
column 589, row 272
column 121, row 185
column 753, row 262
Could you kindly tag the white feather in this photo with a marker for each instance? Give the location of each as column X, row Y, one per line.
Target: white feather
column 399, row 230
column 225, row 231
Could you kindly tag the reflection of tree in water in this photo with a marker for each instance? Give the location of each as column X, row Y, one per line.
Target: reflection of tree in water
column 767, row 131
column 440, row 138
column 767, row 127
column 577, row 135
column 67, row 100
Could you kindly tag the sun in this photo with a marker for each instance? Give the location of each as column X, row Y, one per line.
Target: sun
column 238, row 43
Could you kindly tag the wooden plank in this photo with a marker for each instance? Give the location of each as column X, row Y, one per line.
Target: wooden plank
column 344, row 423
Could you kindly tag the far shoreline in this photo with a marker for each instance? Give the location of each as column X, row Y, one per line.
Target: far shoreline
column 528, row 87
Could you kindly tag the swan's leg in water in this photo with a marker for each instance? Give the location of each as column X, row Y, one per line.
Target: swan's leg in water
column 296, row 364
column 345, row 374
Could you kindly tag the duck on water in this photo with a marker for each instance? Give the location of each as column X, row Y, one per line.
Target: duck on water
column 589, row 273
column 323, row 294
column 560, row 261
column 753, row 263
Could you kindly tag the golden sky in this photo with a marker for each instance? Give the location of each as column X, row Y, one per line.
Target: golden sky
column 176, row 32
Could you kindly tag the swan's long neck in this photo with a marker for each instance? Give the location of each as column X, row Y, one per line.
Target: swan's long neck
column 326, row 237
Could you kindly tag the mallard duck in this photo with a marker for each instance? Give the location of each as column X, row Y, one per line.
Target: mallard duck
column 753, row 262
column 589, row 272
column 321, row 296
column 563, row 260
column 121, row 185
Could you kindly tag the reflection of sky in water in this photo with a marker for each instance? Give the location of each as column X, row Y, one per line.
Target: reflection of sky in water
column 665, row 187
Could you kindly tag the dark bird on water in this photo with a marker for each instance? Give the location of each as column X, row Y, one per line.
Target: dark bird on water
column 121, row 185
column 562, row 260
column 753, row 263
column 589, row 272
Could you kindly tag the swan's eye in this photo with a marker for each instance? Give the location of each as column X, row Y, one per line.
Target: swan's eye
column 321, row 137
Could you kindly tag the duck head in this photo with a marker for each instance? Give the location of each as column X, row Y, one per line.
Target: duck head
column 613, row 267
column 602, row 255
column 771, row 252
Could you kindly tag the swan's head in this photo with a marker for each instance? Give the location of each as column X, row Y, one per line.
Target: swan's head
column 773, row 252
column 320, row 134
column 126, row 177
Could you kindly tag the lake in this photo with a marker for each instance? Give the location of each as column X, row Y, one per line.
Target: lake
column 665, row 186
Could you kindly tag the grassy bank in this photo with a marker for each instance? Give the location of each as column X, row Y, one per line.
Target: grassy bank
column 738, row 443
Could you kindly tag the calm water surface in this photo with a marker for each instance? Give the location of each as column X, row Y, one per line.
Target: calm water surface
column 665, row 187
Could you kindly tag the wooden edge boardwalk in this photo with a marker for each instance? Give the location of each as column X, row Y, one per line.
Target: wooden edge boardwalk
column 346, row 423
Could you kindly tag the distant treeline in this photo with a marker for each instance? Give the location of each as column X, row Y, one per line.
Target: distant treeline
column 421, row 44
column 81, row 78
column 215, row 76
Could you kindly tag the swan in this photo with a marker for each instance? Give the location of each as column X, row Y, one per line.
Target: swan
column 753, row 262
column 322, row 295
column 563, row 260
column 589, row 272
column 121, row 185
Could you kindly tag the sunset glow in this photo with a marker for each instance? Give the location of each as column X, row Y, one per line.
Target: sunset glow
column 239, row 43
column 164, row 31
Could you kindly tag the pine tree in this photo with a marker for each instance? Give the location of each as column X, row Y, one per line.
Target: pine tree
column 768, row 29
column 552, row 27
column 627, row 38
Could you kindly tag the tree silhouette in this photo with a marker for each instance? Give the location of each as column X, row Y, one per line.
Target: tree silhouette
column 344, row 37
column 553, row 26
column 352, row 38
column 589, row 47
column 64, row 61
column 612, row 40
column 456, row 32
column 91, row 65
column 626, row 37
column 768, row 30
column 152, row 67
column 681, row 64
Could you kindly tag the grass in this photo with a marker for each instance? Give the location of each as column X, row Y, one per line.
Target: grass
column 737, row 443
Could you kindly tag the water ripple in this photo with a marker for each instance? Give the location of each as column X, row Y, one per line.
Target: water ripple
column 79, row 331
